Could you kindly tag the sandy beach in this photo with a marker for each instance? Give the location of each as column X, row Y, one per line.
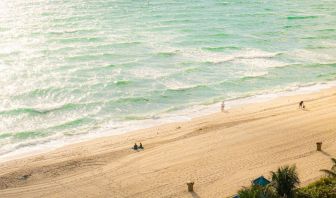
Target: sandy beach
column 220, row 152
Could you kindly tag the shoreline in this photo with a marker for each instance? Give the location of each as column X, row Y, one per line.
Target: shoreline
column 219, row 152
column 183, row 115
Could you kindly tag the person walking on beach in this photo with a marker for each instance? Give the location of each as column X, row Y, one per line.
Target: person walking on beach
column 223, row 106
column 301, row 105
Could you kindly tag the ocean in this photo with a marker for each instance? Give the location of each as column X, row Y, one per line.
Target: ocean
column 72, row 70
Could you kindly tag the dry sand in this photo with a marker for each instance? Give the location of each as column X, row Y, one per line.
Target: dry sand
column 219, row 152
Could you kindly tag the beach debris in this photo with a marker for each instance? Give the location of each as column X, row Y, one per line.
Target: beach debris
column 135, row 147
column 178, row 127
column 190, row 185
column 319, row 146
column 24, row 177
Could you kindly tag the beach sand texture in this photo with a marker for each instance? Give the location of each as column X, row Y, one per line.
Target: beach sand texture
column 220, row 153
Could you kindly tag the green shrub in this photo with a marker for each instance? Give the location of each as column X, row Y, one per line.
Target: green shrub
column 324, row 188
column 284, row 185
column 252, row 192
column 256, row 191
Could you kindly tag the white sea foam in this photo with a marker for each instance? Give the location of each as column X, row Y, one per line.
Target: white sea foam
column 32, row 147
column 176, row 84
column 254, row 73
column 205, row 56
column 151, row 73
column 3, row 66
column 314, row 57
column 260, row 63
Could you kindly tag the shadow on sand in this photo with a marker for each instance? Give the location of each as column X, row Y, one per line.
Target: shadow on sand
column 325, row 153
column 194, row 195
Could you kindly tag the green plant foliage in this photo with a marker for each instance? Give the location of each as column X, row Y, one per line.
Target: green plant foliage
column 256, row 191
column 332, row 171
column 284, row 185
column 252, row 192
column 324, row 188
column 285, row 180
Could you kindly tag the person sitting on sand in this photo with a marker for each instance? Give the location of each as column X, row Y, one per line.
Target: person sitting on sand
column 140, row 146
column 135, row 147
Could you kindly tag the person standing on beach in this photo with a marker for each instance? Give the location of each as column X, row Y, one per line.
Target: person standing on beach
column 223, row 106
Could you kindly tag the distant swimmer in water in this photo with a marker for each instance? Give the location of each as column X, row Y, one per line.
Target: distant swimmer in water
column 223, row 106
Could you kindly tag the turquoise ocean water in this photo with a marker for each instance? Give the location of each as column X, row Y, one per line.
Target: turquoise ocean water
column 75, row 68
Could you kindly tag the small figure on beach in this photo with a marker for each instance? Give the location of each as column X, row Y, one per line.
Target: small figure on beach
column 301, row 105
column 135, row 147
column 140, row 146
column 223, row 106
